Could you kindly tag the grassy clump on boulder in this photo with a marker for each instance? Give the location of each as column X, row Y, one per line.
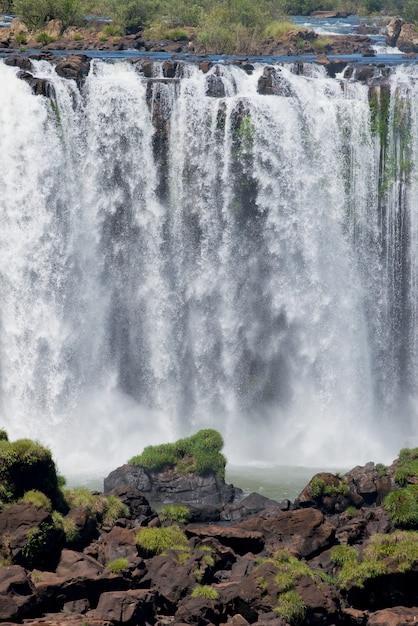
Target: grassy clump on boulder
column 200, row 454
column 26, row 465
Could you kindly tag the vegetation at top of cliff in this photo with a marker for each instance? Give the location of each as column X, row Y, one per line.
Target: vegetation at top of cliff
column 200, row 454
column 26, row 465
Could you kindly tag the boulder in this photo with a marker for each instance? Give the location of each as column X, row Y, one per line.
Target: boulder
column 131, row 607
column 171, row 486
column 138, row 505
column 273, row 83
column 75, row 67
column 17, row 593
column 305, row 531
column 408, row 38
column 395, row 616
column 29, row 535
column 393, row 30
column 254, row 504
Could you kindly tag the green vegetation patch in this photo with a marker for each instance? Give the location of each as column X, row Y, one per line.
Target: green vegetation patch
column 402, row 506
column 205, row 591
column 26, row 465
column 37, row 498
column 320, row 488
column 175, row 513
column 385, row 554
column 291, row 607
column 118, row 565
column 106, row 509
column 407, row 465
column 199, row 454
column 159, row 540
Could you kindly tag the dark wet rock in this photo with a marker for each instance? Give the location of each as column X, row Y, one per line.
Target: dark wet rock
column 215, row 87
column 333, row 67
column 17, row 593
column 273, row 83
column 75, row 67
column 252, row 505
column 241, row 541
column 393, row 30
column 18, row 61
column 138, row 505
column 39, row 86
column 130, row 607
column 171, row 486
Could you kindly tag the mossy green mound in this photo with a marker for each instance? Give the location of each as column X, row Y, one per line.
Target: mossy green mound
column 200, row 454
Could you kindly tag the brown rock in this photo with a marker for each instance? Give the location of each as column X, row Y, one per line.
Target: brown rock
column 393, row 30
column 75, row 67
column 134, row 606
column 305, row 531
column 118, row 543
column 240, row 540
column 408, row 39
column 17, row 595
column 396, row 616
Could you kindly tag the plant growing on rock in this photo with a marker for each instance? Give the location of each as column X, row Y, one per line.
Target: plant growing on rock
column 66, row 524
column 158, row 540
column 175, row 513
column 118, row 565
column 107, row 509
column 291, row 607
column 37, row 498
column 407, row 466
column 199, row 453
column 402, row 506
column 205, row 591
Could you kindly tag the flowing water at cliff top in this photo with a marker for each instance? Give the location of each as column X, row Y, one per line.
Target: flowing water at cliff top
column 170, row 260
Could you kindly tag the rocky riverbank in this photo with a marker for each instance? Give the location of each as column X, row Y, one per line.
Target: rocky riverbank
column 337, row 555
column 295, row 42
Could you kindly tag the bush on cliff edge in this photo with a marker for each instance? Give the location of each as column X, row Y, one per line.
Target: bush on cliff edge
column 199, row 454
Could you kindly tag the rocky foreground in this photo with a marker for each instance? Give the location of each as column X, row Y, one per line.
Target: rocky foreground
column 334, row 556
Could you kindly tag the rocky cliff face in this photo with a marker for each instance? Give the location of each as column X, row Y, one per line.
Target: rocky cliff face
column 172, row 486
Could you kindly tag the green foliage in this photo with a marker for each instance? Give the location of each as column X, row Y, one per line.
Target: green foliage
column 107, row 509
column 384, row 554
column 177, row 34
column 402, row 506
column 278, row 28
column 350, row 511
column 320, row 43
column 37, row 498
column 78, row 37
column 199, row 453
column 205, row 591
column 3, row 435
column 26, row 465
column 37, row 13
column 159, row 540
column 21, row 38
column 111, row 30
column 36, row 543
column 175, row 513
column 44, row 38
column 118, row 565
column 341, row 555
column 319, row 488
column 407, row 465
column 67, row 525
column 291, row 607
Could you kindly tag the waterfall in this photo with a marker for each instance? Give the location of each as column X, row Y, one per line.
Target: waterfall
column 171, row 260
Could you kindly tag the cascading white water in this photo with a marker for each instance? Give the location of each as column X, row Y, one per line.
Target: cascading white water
column 171, row 260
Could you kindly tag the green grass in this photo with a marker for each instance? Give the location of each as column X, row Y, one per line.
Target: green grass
column 279, row 28
column 175, row 513
column 37, row 498
column 199, row 453
column 159, row 540
column 402, row 506
column 107, row 509
column 118, row 565
column 71, row 532
column 205, row 591
column 384, row 554
column 44, row 38
column 291, row 607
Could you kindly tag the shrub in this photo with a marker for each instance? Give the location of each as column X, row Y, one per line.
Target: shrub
column 111, row 30
column 340, row 555
column 107, row 509
column 291, row 607
column 159, row 540
column 21, row 38
column 205, row 591
column 44, row 39
column 37, row 498
column 78, row 37
column 68, row 525
column 278, row 28
column 26, row 465
column 3, row 435
column 402, row 506
column 118, row 565
column 199, row 453
column 407, row 465
column 177, row 34
column 175, row 513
